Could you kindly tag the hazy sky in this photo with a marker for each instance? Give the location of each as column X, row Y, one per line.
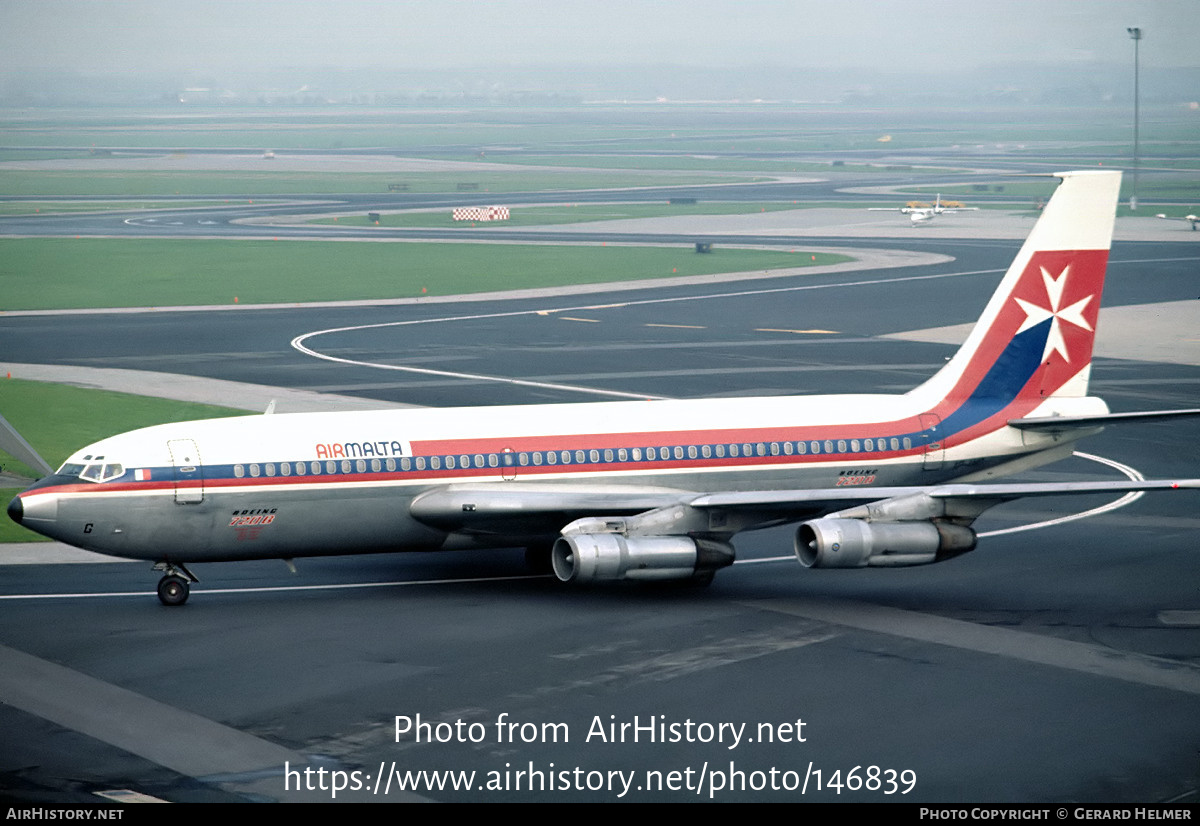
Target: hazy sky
column 146, row 36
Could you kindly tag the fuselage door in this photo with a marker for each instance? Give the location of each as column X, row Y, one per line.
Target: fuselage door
column 188, row 471
column 932, row 431
column 508, row 462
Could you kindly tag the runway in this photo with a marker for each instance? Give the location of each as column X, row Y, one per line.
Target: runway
column 1054, row 665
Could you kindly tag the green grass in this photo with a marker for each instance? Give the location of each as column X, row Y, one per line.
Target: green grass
column 10, row 531
column 191, row 184
column 57, row 207
column 66, row 273
column 698, row 162
column 58, row 419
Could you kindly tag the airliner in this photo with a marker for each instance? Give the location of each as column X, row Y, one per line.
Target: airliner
column 638, row 490
column 924, row 214
column 1194, row 220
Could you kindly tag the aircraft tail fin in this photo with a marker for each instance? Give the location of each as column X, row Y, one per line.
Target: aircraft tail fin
column 1034, row 339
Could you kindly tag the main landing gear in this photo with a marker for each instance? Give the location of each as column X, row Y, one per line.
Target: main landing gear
column 173, row 589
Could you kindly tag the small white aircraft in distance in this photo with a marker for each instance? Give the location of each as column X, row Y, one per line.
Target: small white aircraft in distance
column 924, row 214
column 1191, row 219
column 644, row 490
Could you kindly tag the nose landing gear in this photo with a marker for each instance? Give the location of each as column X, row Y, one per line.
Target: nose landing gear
column 174, row 587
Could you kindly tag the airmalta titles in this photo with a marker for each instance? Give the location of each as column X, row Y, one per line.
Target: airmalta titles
column 356, row 450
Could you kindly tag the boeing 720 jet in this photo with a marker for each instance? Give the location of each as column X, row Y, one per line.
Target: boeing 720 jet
column 646, row 490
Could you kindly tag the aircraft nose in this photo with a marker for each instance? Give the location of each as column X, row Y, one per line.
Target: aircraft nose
column 16, row 511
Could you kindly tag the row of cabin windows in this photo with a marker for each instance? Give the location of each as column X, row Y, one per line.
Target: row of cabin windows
column 539, row 458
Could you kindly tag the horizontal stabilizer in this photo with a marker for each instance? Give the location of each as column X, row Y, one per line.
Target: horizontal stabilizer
column 1059, row 423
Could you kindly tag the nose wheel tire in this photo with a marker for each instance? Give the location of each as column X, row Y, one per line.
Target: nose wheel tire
column 173, row 590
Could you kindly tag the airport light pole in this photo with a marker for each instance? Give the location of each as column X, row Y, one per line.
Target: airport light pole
column 1136, row 34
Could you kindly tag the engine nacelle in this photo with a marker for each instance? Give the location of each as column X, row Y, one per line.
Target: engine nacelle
column 590, row 557
column 853, row 543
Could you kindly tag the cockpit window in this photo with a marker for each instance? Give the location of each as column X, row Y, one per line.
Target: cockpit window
column 96, row 472
column 70, row 469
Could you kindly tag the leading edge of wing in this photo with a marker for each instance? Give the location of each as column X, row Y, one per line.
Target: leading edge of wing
column 456, row 505
column 836, row 498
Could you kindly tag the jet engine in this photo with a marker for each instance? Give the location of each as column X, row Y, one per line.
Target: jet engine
column 590, row 557
column 854, row 543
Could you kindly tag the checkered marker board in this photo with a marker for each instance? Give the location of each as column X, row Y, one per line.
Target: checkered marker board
column 484, row 213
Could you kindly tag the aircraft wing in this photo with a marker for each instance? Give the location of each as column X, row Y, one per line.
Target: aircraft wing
column 1191, row 219
column 833, row 499
column 546, row 509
